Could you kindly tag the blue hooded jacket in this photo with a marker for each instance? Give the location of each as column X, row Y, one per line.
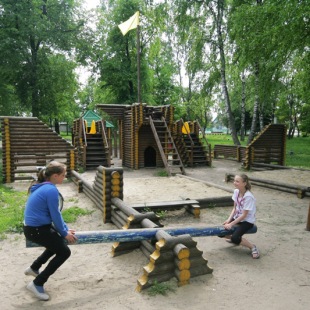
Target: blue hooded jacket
column 42, row 208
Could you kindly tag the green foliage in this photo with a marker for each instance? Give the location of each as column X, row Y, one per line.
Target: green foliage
column 70, row 215
column 161, row 214
column 38, row 39
column 184, row 58
column 160, row 289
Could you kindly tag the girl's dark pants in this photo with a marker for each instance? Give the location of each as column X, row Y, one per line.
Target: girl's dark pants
column 54, row 244
column 241, row 229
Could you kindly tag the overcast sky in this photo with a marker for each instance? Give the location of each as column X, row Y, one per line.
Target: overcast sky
column 90, row 4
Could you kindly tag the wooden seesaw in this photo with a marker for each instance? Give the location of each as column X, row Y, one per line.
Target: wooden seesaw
column 130, row 235
column 172, row 252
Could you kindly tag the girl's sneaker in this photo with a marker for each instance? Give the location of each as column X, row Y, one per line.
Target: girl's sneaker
column 30, row 272
column 38, row 291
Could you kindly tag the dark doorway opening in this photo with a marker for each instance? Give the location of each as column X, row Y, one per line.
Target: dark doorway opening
column 149, row 157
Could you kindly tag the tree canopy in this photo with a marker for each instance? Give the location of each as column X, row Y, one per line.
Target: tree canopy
column 245, row 60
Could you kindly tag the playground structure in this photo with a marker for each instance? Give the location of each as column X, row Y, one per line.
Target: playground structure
column 91, row 137
column 266, row 151
column 27, row 143
column 171, row 251
column 149, row 137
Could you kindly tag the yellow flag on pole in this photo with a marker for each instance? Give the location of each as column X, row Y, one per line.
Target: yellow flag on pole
column 129, row 24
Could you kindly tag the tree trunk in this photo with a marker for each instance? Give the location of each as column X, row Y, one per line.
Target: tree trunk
column 256, row 102
column 57, row 129
column 218, row 18
column 256, row 105
column 242, row 130
column 261, row 118
column 35, row 109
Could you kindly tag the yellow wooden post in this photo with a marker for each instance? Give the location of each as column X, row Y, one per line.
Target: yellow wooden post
column 7, row 148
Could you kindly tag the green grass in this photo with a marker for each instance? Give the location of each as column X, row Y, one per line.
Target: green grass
column 298, row 152
column 70, row 215
column 222, row 139
column 12, row 210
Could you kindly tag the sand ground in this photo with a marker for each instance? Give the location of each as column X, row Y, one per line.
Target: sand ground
column 93, row 279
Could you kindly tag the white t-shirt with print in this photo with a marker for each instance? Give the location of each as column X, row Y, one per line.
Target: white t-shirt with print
column 247, row 202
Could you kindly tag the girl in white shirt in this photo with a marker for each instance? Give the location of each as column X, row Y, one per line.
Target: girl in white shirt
column 243, row 214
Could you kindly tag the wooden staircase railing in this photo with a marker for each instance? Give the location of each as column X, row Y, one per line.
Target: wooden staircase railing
column 166, row 145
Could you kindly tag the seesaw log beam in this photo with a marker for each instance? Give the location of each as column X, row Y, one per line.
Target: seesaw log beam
column 130, row 235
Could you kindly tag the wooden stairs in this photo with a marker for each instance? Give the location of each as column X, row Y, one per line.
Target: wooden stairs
column 195, row 150
column 96, row 153
column 93, row 149
column 166, row 146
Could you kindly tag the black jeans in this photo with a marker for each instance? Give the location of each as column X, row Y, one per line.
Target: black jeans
column 242, row 228
column 54, row 244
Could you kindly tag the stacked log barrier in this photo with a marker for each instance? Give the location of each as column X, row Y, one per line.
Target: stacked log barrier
column 172, row 259
column 300, row 191
column 108, row 184
column 28, row 143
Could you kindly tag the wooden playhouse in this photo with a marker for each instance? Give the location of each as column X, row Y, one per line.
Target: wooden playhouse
column 149, row 137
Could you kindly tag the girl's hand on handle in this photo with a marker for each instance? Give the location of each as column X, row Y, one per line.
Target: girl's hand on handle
column 227, row 226
column 71, row 238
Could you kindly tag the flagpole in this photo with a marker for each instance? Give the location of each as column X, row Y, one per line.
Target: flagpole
column 138, row 63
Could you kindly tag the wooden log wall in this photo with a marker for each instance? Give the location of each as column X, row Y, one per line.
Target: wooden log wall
column 27, row 143
column 268, row 147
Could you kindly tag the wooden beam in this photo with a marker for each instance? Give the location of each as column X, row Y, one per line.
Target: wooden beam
column 129, row 235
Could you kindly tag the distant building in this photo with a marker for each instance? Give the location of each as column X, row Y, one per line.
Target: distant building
column 217, row 127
